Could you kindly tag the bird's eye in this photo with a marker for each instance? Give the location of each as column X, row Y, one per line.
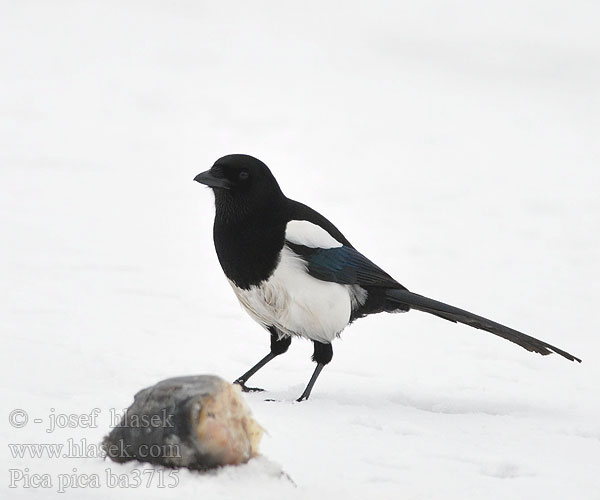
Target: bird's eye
column 243, row 175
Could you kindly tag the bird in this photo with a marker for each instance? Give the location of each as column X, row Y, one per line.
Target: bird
column 297, row 275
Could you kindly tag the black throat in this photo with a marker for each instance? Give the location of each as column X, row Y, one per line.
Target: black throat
column 249, row 236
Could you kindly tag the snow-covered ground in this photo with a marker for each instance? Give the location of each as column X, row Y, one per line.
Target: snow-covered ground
column 455, row 144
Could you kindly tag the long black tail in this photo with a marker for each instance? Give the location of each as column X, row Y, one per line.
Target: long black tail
column 457, row 315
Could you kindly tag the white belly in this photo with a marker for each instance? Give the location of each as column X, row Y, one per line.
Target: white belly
column 298, row 304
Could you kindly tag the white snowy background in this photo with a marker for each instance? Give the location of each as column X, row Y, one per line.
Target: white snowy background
column 455, row 143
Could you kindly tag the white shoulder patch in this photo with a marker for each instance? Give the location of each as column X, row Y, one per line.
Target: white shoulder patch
column 302, row 232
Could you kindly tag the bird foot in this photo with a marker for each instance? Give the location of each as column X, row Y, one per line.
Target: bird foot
column 245, row 388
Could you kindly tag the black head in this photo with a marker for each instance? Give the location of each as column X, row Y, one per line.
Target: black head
column 242, row 184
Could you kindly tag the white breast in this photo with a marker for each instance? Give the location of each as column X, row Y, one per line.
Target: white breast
column 298, row 304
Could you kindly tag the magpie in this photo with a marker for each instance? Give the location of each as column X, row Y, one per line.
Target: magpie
column 297, row 275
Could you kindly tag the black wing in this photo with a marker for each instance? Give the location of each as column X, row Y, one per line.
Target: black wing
column 347, row 266
column 344, row 265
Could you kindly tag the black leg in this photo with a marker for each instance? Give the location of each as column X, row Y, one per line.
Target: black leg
column 278, row 346
column 322, row 355
column 311, row 382
column 242, row 380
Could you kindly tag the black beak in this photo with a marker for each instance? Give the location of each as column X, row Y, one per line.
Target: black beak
column 209, row 179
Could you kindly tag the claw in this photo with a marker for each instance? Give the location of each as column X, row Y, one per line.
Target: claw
column 245, row 388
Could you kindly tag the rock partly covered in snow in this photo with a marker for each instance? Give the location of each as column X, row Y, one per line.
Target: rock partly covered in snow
column 197, row 422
